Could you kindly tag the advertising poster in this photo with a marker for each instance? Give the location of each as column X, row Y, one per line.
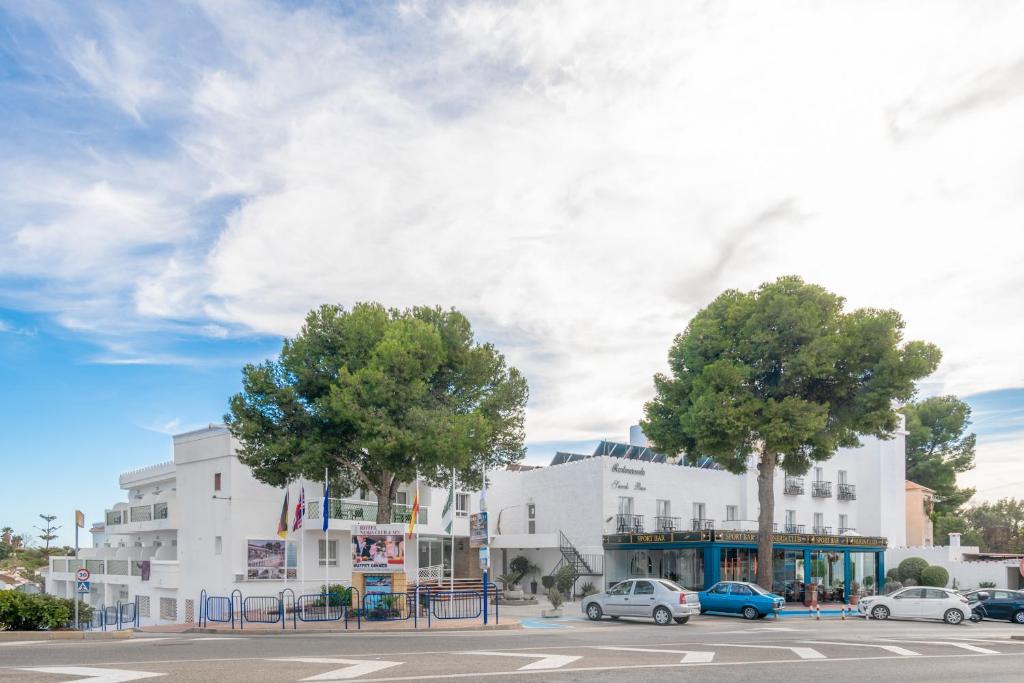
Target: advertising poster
column 377, row 583
column 266, row 559
column 378, row 547
column 478, row 530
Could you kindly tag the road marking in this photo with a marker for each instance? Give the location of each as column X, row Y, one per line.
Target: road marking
column 690, row 656
column 543, row 661
column 353, row 667
column 801, row 652
column 965, row 646
column 94, row 675
column 207, row 639
column 895, row 649
column 22, row 642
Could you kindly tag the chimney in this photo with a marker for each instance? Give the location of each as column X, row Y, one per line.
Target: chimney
column 954, row 547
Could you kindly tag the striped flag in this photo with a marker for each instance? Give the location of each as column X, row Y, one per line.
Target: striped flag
column 300, row 510
column 415, row 512
column 282, row 525
column 448, row 514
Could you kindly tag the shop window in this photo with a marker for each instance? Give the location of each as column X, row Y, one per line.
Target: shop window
column 640, row 564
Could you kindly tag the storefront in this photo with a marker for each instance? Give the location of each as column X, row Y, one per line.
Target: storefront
column 838, row 566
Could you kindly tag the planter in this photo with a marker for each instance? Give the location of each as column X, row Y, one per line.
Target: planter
column 533, row 587
column 515, row 594
column 854, row 599
column 551, row 613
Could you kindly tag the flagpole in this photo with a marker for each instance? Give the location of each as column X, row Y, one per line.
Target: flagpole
column 451, row 536
column 286, row 531
column 327, row 547
column 302, row 541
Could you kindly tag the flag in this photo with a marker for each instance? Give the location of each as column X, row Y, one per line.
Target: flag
column 79, row 519
column 415, row 511
column 326, row 507
column 282, row 526
column 448, row 514
column 300, row 510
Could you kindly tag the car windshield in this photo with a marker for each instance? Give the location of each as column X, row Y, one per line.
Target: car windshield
column 671, row 586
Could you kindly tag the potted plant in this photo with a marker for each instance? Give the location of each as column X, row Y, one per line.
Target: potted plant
column 522, row 566
column 510, row 582
column 556, row 599
column 855, row 592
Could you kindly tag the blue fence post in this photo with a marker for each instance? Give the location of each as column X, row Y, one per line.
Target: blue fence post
column 485, row 597
column 497, row 600
column 415, row 607
column 241, row 616
column 136, row 611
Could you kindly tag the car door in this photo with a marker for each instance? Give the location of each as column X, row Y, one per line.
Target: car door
column 739, row 597
column 642, row 600
column 907, row 603
column 998, row 604
column 714, row 600
column 617, row 601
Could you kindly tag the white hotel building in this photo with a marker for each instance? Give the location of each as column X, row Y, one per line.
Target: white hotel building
column 624, row 510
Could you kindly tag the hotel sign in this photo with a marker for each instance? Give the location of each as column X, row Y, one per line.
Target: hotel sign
column 741, row 537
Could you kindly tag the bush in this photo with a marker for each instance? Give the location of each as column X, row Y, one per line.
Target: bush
column 869, row 581
column 934, row 576
column 893, row 574
column 588, row 589
column 509, row 580
column 547, row 581
column 911, row 568
column 555, row 598
column 41, row 612
column 564, row 580
column 892, row 586
column 520, row 565
column 339, row 593
column 987, row 584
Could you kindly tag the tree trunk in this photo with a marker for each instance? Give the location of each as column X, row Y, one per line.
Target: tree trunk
column 765, row 517
column 384, row 506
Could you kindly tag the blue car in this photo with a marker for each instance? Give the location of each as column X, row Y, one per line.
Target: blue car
column 737, row 597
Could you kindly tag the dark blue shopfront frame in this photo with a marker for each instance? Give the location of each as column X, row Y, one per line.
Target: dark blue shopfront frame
column 712, row 551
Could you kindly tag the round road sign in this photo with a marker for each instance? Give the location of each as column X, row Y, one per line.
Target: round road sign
column 82, row 574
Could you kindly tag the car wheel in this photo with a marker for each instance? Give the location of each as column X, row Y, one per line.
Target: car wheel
column 662, row 617
column 880, row 612
column 750, row 613
column 594, row 611
column 953, row 616
column 682, row 620
column 975, row 617
column 1018, row 617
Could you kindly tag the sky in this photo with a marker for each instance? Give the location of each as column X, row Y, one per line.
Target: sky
column 181, row 182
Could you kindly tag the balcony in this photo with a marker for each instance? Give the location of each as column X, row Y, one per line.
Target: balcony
column 114, row 517
column 823, row 530
column 846, row 529
column 847, row 492
column 626, row 523
column 794, row 486
column 363, row 511
column 667, row 523
column 143, row 513
column 702, row 524
column 821, row 489
column 795, row 529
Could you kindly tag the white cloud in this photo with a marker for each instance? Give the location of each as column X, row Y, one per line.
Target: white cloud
column 579, row 179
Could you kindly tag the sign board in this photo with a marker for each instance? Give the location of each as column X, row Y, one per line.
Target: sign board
column 485, row 558
column 82, row 586
column 478, row 530
column 83, row 574
column 378, row 547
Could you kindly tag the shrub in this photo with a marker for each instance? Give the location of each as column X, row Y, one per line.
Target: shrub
column 911, row 568
column 547, row 581
column 521, row 566
column 892, row 586
column 893, row 574
column 588, row 589
column 555, row 598
column 869, row 581
column 41, row 612
column 934, row 576
column 509, row 580
column 987, row 584
column 564, row 579
column 339, row 593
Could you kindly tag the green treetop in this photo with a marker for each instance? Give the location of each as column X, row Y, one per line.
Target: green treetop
column 938, row 448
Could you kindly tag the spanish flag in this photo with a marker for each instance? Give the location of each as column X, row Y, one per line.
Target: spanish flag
column 415, row 511
column 282, row 526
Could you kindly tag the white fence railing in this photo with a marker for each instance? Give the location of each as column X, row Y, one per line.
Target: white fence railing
column 432, row 573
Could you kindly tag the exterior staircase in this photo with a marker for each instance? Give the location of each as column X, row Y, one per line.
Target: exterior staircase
column 583, row 564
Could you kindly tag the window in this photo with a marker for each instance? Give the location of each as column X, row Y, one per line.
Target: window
column 843, row 523
column 169, row 609
column 935, row 594
column 732, row 513
column 160, row 511
column 819, row 520
column 402, row 498
column 790, row 517
column 332, row 553
column 842, row 477
column 739, row 589
column 363, row 495
column 664, row 508
column 531, row 518
column 461, row 504
column 910, row 594
column 621, row 588
column 625, row 505
column 698, row 511
column 644, row 588
column 144, row 606
column 819, row 474
column 218, row 545
column 216, row 481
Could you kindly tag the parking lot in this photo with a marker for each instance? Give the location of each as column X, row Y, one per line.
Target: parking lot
column 567, row 649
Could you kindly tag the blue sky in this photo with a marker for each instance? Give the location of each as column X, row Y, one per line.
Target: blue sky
column 181, row 182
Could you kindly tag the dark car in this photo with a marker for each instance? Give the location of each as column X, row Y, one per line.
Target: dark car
column 999, row 603
column 738, row 597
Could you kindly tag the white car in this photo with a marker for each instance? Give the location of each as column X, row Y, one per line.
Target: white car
column 917, row 602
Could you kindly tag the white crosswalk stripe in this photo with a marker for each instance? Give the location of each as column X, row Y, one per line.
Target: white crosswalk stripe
column 948, row 643
column 354, row 668
column 94, row 675
column 690, row 656
column 801, row 652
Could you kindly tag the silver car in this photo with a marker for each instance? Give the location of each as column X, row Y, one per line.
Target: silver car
column 658, row 599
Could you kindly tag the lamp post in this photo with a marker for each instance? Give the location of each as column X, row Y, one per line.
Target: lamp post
column 497, row 531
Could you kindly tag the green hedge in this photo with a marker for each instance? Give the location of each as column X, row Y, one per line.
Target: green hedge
column 911, row 568
column 22, row 612
column 934, row 576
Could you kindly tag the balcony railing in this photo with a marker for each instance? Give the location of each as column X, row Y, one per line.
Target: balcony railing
column 844, row 529
column 160, row 511
column 118, row 567
column 662, row 523
column 95, row 566
column 142, row 513
column 702, row 524
column 795, row 528
column 823, row 530
column 847, row 492
column 821, row 489
column 114, row 517
column 794, row 486
column 625, row 523
column 363, row 511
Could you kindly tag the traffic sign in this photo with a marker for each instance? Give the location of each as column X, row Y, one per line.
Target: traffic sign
column 82, row 587
column 83, row 574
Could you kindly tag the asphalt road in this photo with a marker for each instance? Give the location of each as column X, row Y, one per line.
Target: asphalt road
column 710, row 648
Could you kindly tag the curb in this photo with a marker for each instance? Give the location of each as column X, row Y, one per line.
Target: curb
column 15, row 636
column 300, row 632
column 1016, row 637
